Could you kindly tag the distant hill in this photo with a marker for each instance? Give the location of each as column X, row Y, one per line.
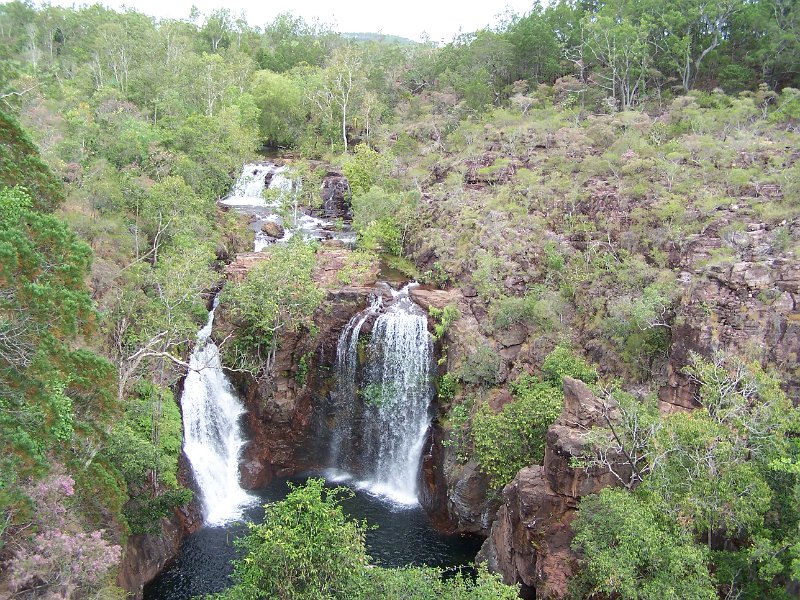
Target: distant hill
column 379, row 37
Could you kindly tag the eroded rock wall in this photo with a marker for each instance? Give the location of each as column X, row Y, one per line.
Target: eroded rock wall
column 529, row 542
column 750, row 307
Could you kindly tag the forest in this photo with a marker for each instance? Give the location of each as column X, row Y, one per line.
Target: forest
column 611, row 190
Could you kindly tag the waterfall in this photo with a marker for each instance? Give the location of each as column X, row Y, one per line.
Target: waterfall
column 344, row 393
column 212, row 436
column 249, row 187
column 379, row 435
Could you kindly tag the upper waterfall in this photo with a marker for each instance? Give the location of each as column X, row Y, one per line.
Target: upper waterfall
column 248, row 197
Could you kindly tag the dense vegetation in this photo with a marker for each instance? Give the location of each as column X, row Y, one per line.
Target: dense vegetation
column 560, row 169
column 307, row 549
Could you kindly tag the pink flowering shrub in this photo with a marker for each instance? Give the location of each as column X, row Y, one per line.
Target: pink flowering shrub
column 57, row 563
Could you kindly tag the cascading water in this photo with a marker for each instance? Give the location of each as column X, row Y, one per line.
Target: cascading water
column 249, row 187
column 247, row 197
column 212, row 436
column 344, row 393
column 380, row 428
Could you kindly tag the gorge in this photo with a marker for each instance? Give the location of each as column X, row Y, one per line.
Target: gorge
column 368, row 432
column 528, row 300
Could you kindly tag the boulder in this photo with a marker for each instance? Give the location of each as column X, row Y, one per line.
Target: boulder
column 273, row 229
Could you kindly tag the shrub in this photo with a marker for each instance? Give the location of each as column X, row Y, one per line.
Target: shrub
column 482, row 367
column 447, row 387
column 563, row 362
column 57, row 560
column 514, row 438
column 365, row 168
column 444, row 318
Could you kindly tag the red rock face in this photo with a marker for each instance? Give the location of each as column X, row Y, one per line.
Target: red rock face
column 750, row 308
column 279, row 421
column 530, row 540
column 146, row 555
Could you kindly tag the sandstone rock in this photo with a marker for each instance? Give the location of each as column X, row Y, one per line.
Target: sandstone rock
column 273, row 229
column 513, row 335
column 279, row 422
column 146, row 555
column 427, row 297
column 468, row 503
column 749, row 304
column 530, row 540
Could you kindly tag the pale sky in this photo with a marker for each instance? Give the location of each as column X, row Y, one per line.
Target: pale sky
column 440, row 19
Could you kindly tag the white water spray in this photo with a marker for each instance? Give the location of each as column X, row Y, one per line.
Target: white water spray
column 383, row 452
column 212, row 436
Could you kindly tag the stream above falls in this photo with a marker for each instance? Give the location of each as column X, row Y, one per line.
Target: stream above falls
column 266, row 193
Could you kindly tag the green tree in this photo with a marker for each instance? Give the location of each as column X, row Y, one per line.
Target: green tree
column 289, row 41
column 279, row 294
column 537, row 50
column 279, row 100
column 308, row 548
column 630, row 551
column 725, row 473
column 691, row 31
column 622, row 54
column 305, row 548
column 53, row 396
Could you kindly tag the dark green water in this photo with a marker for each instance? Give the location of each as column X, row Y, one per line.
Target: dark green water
column 403, row 537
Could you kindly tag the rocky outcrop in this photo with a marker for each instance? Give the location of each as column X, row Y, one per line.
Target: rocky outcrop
column 146, row 555
column 280, row 408
column 335, row 193
column 749, row 305
column 272, row 229
column 530, row 540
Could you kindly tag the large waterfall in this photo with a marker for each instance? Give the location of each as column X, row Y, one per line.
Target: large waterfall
column 383, row 413
column 212, row 436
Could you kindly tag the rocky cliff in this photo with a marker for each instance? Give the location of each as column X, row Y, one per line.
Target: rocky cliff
column 750, row 305
column 279, row 421
column 530, row 539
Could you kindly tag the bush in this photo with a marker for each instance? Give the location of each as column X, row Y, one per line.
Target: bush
column 365, row 168
column 563, row 362
column 482, row 367
column 514, row 438
column 444, row 318
column 305, row 548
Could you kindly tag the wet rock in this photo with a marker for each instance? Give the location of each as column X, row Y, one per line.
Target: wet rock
column 146, row 555
column 273, row 229
column 280, row 408
column 335, row 193
column 433, row 488
column 469, row 501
